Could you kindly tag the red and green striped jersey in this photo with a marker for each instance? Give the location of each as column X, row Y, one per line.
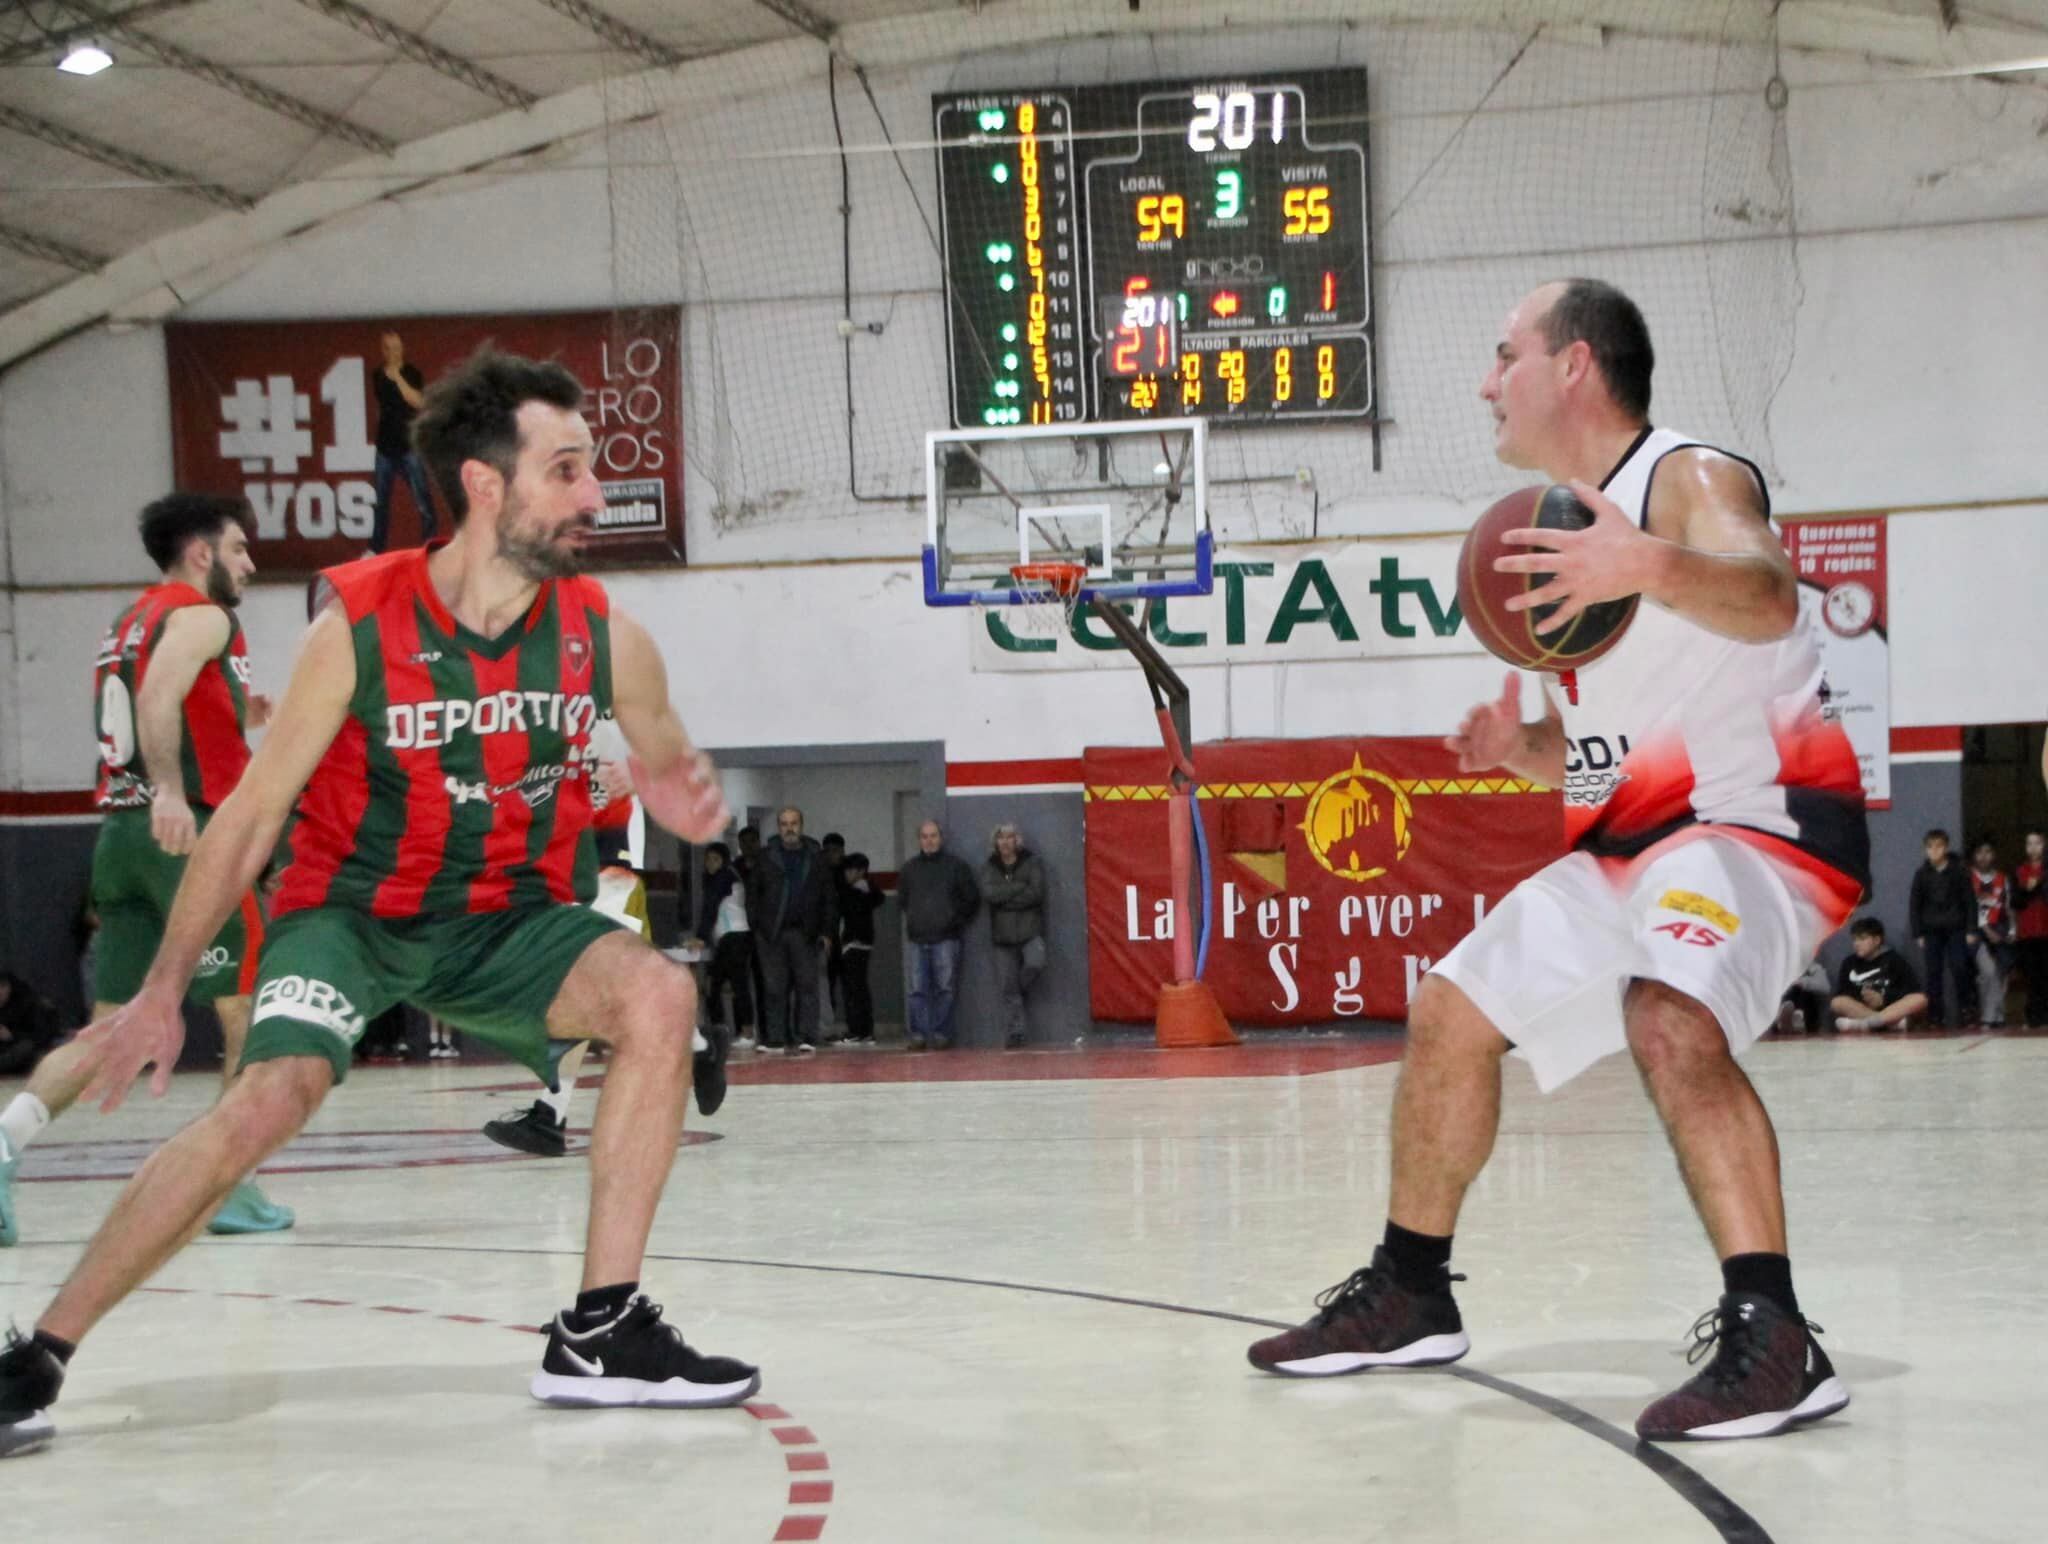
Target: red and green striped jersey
column 211, row 748
column 461, row 780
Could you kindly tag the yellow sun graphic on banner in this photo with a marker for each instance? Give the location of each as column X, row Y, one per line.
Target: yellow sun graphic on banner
column 1358, row 823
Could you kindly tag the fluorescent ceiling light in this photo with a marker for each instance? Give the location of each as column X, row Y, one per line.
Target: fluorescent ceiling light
column 85, row 59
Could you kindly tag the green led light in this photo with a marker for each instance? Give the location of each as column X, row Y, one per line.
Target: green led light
column 1004, row 388
column 999, row 251
column 1000, row 172
column 1009, row 332
column 1009, row 361
column 1006, row 282
column 1276, row 301
column 991, row 119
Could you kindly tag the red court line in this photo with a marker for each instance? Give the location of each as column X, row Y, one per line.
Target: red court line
column 794, row 1525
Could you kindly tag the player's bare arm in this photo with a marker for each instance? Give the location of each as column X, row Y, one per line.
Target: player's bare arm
column 227, row 861
column 1492, row 734
column 192, row 636
column 1708, row 553
column 676, row 782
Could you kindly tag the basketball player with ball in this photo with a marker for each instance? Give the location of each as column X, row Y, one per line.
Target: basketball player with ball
column 1714, row 820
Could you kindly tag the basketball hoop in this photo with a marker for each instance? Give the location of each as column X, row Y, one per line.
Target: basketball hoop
column 1048, row 594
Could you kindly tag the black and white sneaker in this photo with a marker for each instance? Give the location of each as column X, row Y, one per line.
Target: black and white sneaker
column 707, row 1070
column 29, row 1379
column 538, row 1131
column 633, row 1358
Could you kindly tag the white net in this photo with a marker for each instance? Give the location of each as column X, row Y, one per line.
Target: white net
column 797, row 220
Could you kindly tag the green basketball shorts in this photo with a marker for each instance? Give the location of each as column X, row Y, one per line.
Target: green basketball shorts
column 133, row 883
column 328, row 971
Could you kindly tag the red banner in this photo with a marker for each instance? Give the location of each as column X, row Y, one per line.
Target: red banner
column 1844, row 580
column 288, row 415
column 1340, row 870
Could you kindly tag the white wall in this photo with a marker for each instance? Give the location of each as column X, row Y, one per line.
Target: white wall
column 1910, row 332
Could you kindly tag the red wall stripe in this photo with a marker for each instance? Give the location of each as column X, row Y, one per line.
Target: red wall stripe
column 1002, row 774
column 1937, row 737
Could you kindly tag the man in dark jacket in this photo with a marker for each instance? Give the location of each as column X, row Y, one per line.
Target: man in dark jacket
column 793, row 911
column 1013, row 885
column 1942, row 915
column 939, row 898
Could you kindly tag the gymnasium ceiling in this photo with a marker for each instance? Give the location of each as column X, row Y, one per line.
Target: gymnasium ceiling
column 227, row 126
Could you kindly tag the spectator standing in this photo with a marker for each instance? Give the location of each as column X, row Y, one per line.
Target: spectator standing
column 1943, row 917
column 722, row 928
column 744, row 862
column 832, row 1000
column 1992, row 952
column 1875, row 988
column 858, row 902
column 400, row 391
column 939, row 898
column 1013, row 885
column 793, row 912
column 2030, row 921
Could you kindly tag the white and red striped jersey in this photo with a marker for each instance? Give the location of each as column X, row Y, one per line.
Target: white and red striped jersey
column 1677, row 726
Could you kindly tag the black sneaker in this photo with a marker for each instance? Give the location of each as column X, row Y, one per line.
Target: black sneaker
column 538, row 1131
column 1368, row 1320
column 29, row 1379
column 633, row 1358
column 707, row 1069
column 1768, row 1374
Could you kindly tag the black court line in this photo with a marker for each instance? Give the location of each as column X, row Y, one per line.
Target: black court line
column 1734, row 1525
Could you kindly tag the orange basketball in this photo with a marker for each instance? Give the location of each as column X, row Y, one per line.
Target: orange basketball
column 1482, row 593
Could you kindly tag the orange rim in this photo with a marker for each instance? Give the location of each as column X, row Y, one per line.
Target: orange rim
column 1063, row 579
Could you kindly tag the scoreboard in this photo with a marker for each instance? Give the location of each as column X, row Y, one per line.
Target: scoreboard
column 1171, row 249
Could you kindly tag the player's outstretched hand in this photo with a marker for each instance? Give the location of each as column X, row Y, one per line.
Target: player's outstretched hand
column 686, row 799
column 146, row 1029
column 1491, row 731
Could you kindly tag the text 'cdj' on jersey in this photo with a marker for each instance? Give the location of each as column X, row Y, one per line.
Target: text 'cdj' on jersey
column 211, row 748
column 1677, row 726
column 461, row 780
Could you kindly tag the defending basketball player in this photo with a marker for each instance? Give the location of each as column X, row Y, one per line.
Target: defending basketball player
column 1715, row 821
column 171, row 702
column 435, row 741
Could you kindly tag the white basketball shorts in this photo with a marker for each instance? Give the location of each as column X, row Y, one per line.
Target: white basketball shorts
column 1704, row 913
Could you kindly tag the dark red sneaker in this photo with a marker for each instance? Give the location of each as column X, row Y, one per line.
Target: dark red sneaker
column 1768, row 1374
column 1368, row 1320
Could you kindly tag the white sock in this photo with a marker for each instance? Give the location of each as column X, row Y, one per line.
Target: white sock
column 558, row 1101
column 698, row 1042
column 24, row 1117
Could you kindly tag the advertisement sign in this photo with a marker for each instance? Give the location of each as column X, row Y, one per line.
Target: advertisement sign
column 1841, row 567
column 291, row 414
column 1341, row 870
column 1376, row 598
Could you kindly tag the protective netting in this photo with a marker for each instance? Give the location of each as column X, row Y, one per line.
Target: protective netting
column 797, row 221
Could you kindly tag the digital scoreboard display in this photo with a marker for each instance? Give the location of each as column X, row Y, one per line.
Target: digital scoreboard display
column 1164, row 250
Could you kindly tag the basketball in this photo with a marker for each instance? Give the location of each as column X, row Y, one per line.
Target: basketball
column 1483, row 593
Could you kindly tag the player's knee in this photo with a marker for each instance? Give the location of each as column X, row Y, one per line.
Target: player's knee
column 1671, row 1034
column 271, row 1100
column 657, row 1003
column 1442, row 1020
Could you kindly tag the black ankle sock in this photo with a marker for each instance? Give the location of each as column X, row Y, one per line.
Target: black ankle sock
column 1767, row 1275
column 601, row 1303
column 61, row 1349
column 1419, row 1259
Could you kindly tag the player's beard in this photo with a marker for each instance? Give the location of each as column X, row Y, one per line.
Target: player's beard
column 221, row 588
column 533, row 551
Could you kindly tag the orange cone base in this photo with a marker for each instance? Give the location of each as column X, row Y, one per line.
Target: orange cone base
column 1189, row 1017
